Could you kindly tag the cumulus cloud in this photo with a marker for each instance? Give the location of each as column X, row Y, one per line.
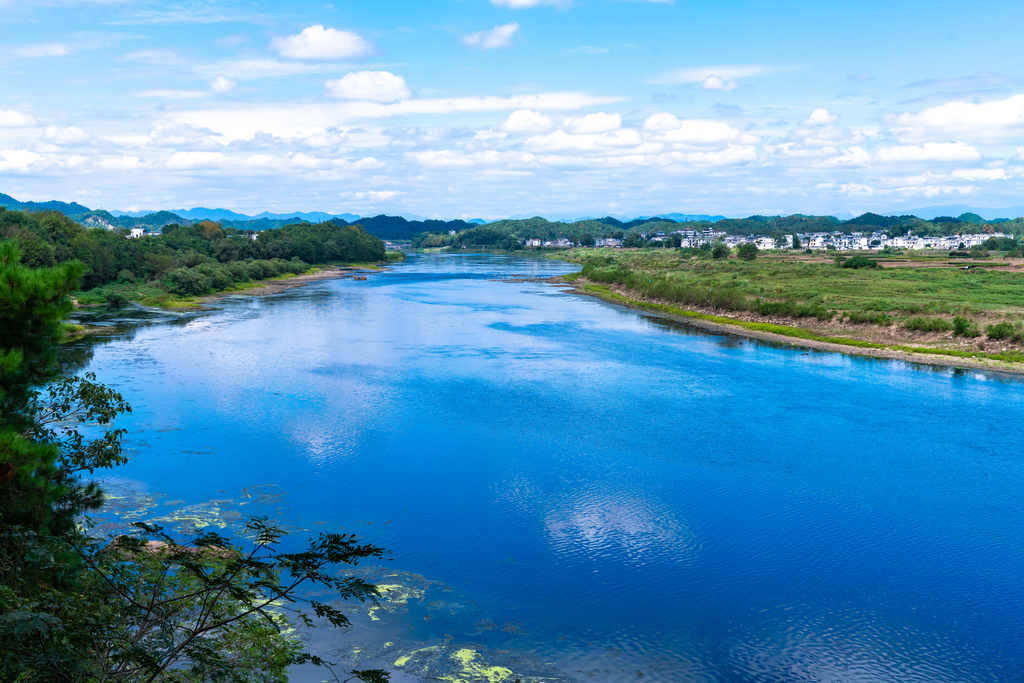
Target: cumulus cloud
column 930, row 151
column 317, row 42
column 995, row 121
column 222, row 84
column 820, row 117
column 17, row 160
column 665, row 127
column 593, row 123
column 372, row 86
column 65, row 136
column 714, row 77
column 498, row 37
column 526, row 121
column 720, row 84
column 14, row 119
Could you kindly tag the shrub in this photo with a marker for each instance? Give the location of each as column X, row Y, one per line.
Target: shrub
column 126, row 277
column 747, row 252
column 860, row 317
column 965, row 327
column 720, row 251
column 115, row 299
column 928, row 325
column 1003, row 330
column 859, row 262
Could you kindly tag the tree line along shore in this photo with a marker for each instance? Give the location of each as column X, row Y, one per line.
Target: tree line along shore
column 184, row 261
column 927, row 304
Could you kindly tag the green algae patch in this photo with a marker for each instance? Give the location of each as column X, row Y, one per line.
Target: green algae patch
column 473, row 670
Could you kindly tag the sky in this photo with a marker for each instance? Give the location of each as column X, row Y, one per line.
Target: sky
column 492, row 108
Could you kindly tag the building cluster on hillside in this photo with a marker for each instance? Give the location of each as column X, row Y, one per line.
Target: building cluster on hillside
column 817, row 241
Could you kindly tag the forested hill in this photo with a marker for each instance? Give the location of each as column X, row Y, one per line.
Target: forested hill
column 68, row 209
column 398, row 228
column 186, row 259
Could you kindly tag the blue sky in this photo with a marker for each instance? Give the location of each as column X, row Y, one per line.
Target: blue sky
column 489, row 108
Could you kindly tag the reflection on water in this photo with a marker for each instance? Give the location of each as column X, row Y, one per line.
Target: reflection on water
column 576, row 491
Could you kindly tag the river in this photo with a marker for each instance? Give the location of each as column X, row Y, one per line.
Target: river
column 574, row 491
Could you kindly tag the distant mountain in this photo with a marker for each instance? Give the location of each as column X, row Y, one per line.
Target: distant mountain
column 72, row 208
column 398, row 228
column 930, row 212
column 682, row 217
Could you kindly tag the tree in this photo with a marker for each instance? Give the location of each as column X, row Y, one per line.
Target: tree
column 747, row 251
column 720, row 251
column 796, row 241
column 587, row 240
column 144, row 608
column 152, row 608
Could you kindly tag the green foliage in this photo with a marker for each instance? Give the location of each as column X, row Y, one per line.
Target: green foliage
column 720, row 251
column 928, row 325
column 50, row 238
column 874, row 318
column 859, row 262
column 965, row 327
column 747, row 251
column 146, row 607
column 1004, row 330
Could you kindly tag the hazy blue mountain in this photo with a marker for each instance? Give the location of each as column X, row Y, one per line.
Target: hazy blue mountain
column 930, row 212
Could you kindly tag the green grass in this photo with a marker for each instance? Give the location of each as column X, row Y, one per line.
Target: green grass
column 900, row 290
column 798, row 332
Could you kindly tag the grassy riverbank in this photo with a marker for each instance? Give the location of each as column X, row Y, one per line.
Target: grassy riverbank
column 925, row 305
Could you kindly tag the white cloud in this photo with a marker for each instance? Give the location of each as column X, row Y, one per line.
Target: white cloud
column 593, row 123
column 158, row 57
column 173, row 94
column 665, row 127
column 995, row 121
column 14, row 119
column 820, row 117
column 267, row 68
column 65, row 136
column 289, row 120
column 930, row 151
column 723, row 73
column 38, row 50
column 17, row 160
column 197, row 160
column 371, row 86
column 319, row 43
column 979, row 173
column 498, row 37
column 720, row 84
column 384, row 195
column 852, row 157
column 526, row 121
column 523, row 4
column 222, row 84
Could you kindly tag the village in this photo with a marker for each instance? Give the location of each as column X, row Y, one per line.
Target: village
column 818, row 241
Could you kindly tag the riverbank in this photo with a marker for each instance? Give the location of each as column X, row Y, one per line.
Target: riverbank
column 799, row 337
column 272, row 285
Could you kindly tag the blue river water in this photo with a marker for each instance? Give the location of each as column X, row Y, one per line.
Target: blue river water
column 599, row 494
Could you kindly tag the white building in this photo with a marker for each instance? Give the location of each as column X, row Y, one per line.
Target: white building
column 137, row 232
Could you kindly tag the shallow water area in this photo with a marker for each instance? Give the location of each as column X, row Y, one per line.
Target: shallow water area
column 574, row 491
